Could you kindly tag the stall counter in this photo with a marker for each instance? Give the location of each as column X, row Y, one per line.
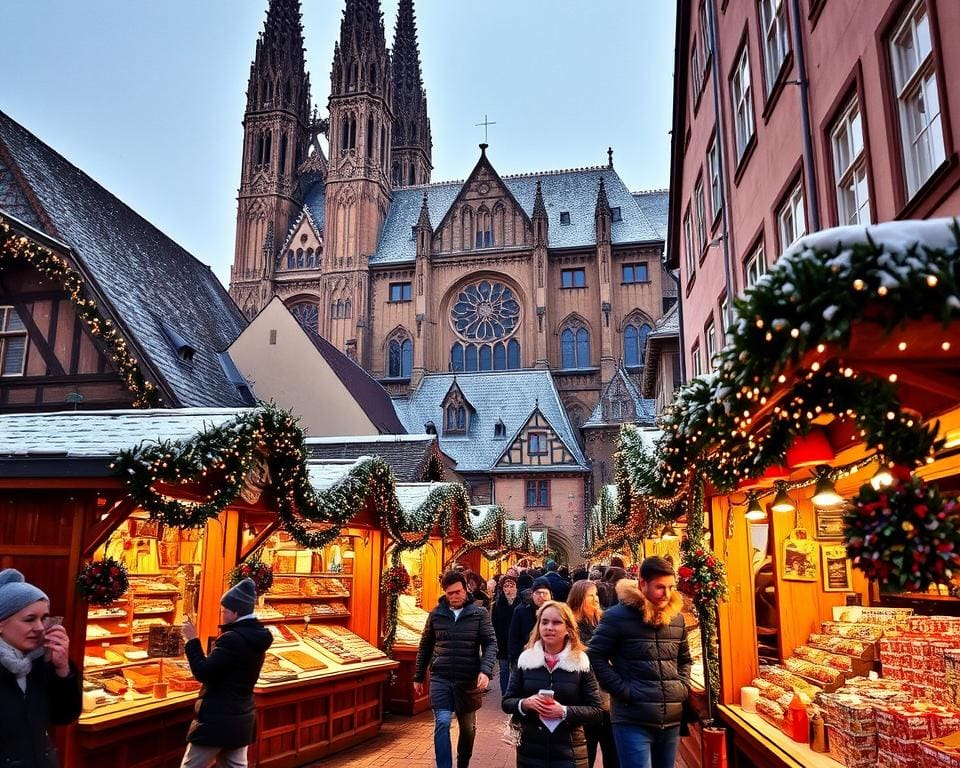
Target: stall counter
column 752, row 741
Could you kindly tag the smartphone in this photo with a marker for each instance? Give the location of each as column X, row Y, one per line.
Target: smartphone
column 52, row 621
column 547, row 693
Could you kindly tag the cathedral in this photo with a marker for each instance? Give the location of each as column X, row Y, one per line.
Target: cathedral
column 557, row 271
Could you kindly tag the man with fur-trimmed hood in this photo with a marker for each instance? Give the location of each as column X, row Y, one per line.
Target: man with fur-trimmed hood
column 640, row 656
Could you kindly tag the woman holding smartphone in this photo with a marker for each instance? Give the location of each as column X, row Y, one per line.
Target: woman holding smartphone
column 553, row 694
column 39, row 686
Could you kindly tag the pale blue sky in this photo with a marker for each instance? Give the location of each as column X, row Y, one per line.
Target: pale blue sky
column 147, row 96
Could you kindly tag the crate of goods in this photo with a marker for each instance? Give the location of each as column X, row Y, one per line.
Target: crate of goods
column 941, row 753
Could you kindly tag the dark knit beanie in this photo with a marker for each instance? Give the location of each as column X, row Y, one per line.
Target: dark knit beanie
column 542, row 582
column 241, row 597
column 505, row 579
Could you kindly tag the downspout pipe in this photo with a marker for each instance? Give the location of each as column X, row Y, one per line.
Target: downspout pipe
column 809, row 170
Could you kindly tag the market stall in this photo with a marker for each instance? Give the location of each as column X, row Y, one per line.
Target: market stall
column 822, row 455
column 151, row 534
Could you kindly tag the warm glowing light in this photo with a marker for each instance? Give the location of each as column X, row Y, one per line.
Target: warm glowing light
column 782, row 501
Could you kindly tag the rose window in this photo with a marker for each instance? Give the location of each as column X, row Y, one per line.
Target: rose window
column 485, row 311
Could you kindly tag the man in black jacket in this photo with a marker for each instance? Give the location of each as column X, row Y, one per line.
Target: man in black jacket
column 525, row 618
column 460, row 648
column 640, row 655
column 225, row 715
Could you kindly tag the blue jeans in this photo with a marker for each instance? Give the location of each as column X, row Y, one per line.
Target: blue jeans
column 641, row 747
column 504, row 675
column 441, row 737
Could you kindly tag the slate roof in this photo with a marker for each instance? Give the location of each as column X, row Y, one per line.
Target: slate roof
column 407, row 455
column 507, row 395
column 572, row 191
column 142, row 274
column 644, row 409
column 654, row 203
column 667, row 329
column 102, row 434
column 315, row 201
column 365, row 389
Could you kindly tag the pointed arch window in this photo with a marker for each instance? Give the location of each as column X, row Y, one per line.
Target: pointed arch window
column 412, row 178
column 456, row 357
column 513, row 354
column 353, row 75
column 373, row 75
column 484, row 236
column 299, row 258
column 575, row 346
column 400, row 358
column 499, row 357
column 371, row 130
column 291, row 260
column 397, row 174
column 456, row 418
column 347, row 310
column 309, row 257
column 348, row 132
column 634, row 342
column 283, row 155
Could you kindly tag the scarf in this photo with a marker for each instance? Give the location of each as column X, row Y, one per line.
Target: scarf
column 18, row 663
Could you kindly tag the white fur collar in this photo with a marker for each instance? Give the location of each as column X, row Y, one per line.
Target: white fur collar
column 570, row 661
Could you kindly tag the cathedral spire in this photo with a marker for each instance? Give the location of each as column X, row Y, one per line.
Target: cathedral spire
column 412, row 142
column 539, row 218
column 424, row 221
column 603, row 216
column 278, row 76
column 360, row 60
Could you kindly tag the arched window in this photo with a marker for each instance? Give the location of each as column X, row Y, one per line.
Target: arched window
column 634, row 343
column 400, row 362
column 499, row 357
column 396, row 173
column 347, row 312
column 471, row 358
column 412, row 178
column 333, row 309
column 486, row 358
column 309, row 257
column 283, row 155
column 370, row 134
column 291, row 262
column 456, row 356
column 484, row 231
column 307, row 314
column 583, row 348
column 513, row 354
column 352, row 77
column 575, row 347
column 299, row 258
column 456, row 418
column 373, row 75
column 348, row 132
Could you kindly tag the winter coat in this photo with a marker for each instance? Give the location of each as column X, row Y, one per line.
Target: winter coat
column 456, row 650
column 26, row 718
column 575, row 687
column 225, row 715
column 521, row 625
column 559, row 586
column 640, row 656
column 501, row 617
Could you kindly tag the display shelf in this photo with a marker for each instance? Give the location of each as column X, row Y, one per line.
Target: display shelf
column 96, row 639
column 300, row 619
column 767, row 745
column 315, row 574
column 272, row 598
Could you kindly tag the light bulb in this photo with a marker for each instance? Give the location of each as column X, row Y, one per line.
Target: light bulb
column 782, row 502
column 825, row 493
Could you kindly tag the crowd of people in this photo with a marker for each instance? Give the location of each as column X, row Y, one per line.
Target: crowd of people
column 590, row 662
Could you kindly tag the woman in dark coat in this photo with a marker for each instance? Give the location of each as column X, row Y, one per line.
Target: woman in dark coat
column 503, row 608
column 554, row 659
column 39, row 686
column 584, row 602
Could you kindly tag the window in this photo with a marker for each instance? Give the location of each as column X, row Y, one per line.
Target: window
column 400, row 359
column 754, row 267
column 575, row 348
column 400, row 292
column 500, row 429
column 688, row 245
column 776, row 40
column 705, row 34
column 710, row 334
column 791, row 219
column 636, row 273
column 536, row 443
column 713, row 168
column 13, row 343
column 667, row 302
column 724, row 318
column 697, row 359
column 538, row 493
column 740, row 93
column 850, row 167
column 701, row 215
column 615, row 214
column 915, row 80
column 484, row 231
column 485, row 357
column 307, row 313
column 564, row 217
column 634, row 344
column 456, row 418
column 696, row 70
column 573, row 278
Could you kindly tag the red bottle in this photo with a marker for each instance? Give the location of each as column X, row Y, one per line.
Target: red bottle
column 798, row 725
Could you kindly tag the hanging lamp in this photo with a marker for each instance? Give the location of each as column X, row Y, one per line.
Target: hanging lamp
column 825, row 492
column 755, row 512
column 782, row 501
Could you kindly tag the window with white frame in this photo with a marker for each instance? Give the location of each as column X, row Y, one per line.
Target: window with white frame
column 776, row 39
column 791, row 219
column 724, row 318
column 13, row 342
column 705, row 34
column 713, row 168
column 701, row 214
column 915, row 80
column 691, row 255
column 696, row 69
column 850, row 167
column 710, row 335
column 696, row 361
column 754, row 266
column 740, row 93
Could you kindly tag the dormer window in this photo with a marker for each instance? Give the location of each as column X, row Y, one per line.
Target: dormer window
column 564, row 217
column 615, row 214
column 183, row 348
column 499, row 429
column 536, row 443
column 456, row 419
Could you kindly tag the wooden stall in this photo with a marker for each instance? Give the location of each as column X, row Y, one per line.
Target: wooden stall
column 322, row 688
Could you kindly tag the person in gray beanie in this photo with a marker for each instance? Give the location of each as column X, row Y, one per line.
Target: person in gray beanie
column 225, row 715
column 39, row 685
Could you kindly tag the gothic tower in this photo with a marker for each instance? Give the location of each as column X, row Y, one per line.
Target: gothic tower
column 275, row 140
column 358, row 188
column 412, row 143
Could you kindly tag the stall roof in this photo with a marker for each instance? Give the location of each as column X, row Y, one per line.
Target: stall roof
column 407, row 455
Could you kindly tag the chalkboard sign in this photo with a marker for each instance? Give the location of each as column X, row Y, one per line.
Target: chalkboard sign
column 165, row 642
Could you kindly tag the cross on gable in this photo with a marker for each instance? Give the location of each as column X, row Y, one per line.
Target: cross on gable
column 486, row 125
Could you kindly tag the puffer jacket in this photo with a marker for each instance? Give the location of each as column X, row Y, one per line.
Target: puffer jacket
column 640, row 656
column 521, row 625
column 225, row 714
column 575, row 687
column 501, row 616
column 457, row 649
column 25, row 723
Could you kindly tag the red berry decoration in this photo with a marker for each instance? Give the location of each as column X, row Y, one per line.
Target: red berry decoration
column 102, row 582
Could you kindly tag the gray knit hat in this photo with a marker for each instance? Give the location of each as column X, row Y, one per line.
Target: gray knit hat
column 15, row 593
column 240, row 597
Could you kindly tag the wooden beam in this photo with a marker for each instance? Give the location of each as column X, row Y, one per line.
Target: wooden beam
column 100, row 531
column 260, row 538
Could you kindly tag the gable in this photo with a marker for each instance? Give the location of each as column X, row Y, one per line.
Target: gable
column 536, row 445
column 303, row 248
column 485, row 214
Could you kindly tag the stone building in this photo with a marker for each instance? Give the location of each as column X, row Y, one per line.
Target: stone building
column 558, row 270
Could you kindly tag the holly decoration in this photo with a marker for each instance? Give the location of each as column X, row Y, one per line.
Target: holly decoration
column 253, row 568
column 395, row 580
column 701, row 575
column 906, row 536
column 102, row 582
